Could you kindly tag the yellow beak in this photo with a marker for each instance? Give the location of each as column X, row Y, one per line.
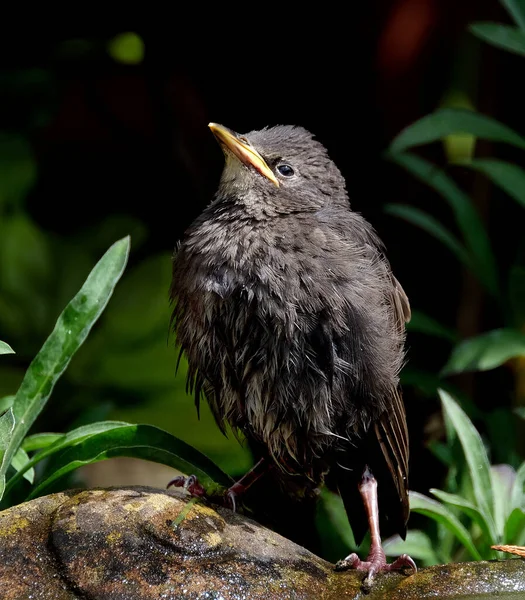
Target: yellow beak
column 244, row 152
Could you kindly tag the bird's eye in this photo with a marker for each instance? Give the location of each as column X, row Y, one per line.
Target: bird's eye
column 244, row 140
column 285, row 170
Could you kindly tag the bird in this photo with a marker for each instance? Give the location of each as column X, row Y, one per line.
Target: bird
column 293, row 327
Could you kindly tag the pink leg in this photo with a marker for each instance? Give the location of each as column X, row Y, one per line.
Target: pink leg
column 376, row 559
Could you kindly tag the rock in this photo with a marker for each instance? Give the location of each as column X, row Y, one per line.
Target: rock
column 142, row 543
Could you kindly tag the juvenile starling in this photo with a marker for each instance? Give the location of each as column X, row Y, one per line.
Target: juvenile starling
column 293, row 326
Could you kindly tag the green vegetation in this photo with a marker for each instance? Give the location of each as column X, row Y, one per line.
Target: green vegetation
column 105, row 374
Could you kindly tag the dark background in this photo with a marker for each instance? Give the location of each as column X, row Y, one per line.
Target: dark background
column 121, row 145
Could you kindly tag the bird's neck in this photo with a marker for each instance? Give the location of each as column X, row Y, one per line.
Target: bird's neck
column 244, row 206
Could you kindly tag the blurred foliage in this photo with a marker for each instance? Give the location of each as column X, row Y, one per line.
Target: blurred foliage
column 483, row 506
column 471, row 243
column 127, row 48
column 125, row 369
column 56, row 455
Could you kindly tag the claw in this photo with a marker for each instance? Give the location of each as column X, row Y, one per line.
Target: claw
column 403, row 563
column 230, row 498
column 190, row 484
column 376, row 559
column 376, row 563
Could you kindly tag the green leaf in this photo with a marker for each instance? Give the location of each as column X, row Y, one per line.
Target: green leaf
column 517, row 497
column 140, row 299
column 432, row 226
column 7, row 424
column 424, row 505
column 467, row 218
column 336, row 513
column 442, row 452
column 38, row 441
column 505, row 37
column 417, row 545
column 486, row 351
column 475, row 455
column 137, row 441
column 520, row 411
column 6, row 402
column 503, row 477
column 70, row 331
column 471, row 511
column 51, row 443
column 127, row 48
column 17, row 169
column 26, row 257
column 445, row 121
column 26, row 273
column 422, row 323
column 6, row 348
column 514, row 527
column 516, row 9
column 19, row 462
column 426, row 382
column 509, row 177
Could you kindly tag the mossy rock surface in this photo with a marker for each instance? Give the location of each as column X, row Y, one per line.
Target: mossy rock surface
column 143, row 543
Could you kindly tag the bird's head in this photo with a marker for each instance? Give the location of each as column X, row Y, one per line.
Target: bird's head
column 280, row 169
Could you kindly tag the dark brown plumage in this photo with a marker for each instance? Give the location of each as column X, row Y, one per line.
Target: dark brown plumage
column 293, row 323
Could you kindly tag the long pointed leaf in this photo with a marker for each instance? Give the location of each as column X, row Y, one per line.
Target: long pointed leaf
column 417, row 545
column 58, row 442
column 514, row 527
column 19, row 462
column 432, row 226
column 505, row 37
column 517, row 497
column 138, row 441
column 423, row 323
column 6, row 348
column 510, row 178
column 503, row 477
column 516, row 9
column 471, row 511
column 424, row 505
column 5, row 403
column 469, row 222
column 71, row 330
column 445, row 121
column 486, row 351
column 7, row 425
column 41, row 440
column 336, row 514
column 475, row 455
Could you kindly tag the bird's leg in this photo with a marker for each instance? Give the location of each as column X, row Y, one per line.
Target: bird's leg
column 240, row 487
column 192, row 485
column 376, row 559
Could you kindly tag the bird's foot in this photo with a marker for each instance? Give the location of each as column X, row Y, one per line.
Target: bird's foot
column 375, row 563
column 230, row 498
column 192, row 485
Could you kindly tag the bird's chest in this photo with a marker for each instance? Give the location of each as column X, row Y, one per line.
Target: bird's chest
column 249, row 295
column 247, row 267
column 249, row 313
column 242, row 298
